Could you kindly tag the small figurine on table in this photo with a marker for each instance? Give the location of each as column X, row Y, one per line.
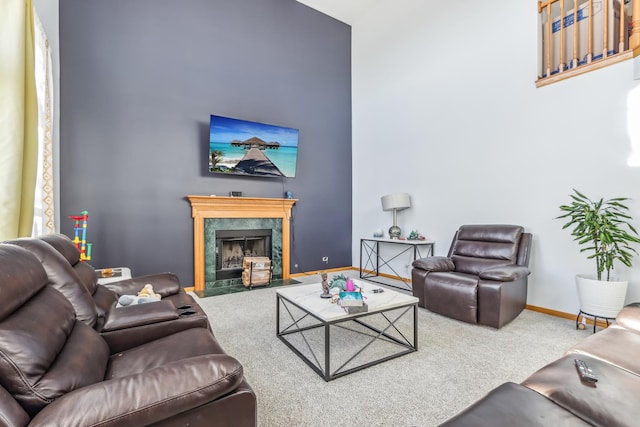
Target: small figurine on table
column 414, row 235
column 325, row 286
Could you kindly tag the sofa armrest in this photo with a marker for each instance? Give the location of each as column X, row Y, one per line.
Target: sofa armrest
column 435, row 263
column 629, row 317
column 140, row 314
column 164, row 284
column 506, row 273
column 146, row 398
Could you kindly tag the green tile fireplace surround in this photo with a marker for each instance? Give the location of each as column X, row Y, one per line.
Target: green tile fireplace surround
column 211, row 225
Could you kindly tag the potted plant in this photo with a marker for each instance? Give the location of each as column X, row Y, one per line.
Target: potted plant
column 604, row 231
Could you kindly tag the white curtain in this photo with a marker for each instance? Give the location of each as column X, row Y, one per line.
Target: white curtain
column 43, row 215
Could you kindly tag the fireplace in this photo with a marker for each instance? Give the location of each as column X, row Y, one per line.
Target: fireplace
column 212, row 214
column 233, row 245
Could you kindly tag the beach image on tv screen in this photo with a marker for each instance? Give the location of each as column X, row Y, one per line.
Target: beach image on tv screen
column 250, row 148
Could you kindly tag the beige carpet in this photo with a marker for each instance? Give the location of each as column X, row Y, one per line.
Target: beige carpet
column 456, row 364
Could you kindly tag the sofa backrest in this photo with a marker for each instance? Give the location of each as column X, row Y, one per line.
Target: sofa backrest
column 63, row 244
column 481, row 246
column 44, row 351
column 63, row 277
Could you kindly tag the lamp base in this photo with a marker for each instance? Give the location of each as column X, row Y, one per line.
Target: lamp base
column 394, row 232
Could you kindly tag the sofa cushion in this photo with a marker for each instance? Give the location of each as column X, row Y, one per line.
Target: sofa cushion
column 22, row 278
column 474, row 265
column 491, row 233
column 616, row 345
column 155, row 397
column 63, row 277
column 41, row 346
column 65, row 246
column 609, row 402
column 479, row 247
column 629, row 317
column 179, row 346
column 511, row 405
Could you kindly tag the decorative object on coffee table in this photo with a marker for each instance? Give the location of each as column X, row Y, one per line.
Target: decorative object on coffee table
column 343, row 283
column 395, row 203
column 351, row 299
column 325, row 286
column 338, row 281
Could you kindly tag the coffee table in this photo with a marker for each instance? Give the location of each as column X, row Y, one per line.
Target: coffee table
column 323, row 334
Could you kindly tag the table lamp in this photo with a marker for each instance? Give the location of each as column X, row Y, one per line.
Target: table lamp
column 395, row 202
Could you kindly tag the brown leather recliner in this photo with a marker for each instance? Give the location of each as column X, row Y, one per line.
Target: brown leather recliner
column 482, row 280
column 55, row 370
column 95, row 305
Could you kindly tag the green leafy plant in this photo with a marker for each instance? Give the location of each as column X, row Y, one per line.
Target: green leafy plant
column 603, row 228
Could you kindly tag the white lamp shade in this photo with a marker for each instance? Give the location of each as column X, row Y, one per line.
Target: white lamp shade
column 396, row 201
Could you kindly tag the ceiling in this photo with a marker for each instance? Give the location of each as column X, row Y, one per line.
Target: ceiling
column 346, row 11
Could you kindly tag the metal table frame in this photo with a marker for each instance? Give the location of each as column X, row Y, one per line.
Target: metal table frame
column 370, row 248
column 595, row 319
column 323, row 367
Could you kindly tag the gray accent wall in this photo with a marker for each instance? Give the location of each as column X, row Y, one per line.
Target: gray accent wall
column 138, row 81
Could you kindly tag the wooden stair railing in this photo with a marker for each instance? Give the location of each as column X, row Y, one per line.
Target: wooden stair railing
column 634, row 37
column 592, row 60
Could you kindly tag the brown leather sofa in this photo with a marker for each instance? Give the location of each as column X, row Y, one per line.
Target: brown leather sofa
column 55, row 370
column 95, row 304
column 556, row 396
column 483, row 279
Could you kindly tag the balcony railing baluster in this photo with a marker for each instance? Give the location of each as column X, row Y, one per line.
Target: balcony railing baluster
column 569, row 62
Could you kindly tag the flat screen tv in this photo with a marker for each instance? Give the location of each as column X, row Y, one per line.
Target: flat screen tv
column 240, row 147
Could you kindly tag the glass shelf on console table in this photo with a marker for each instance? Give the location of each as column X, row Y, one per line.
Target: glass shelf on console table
column 371, row 258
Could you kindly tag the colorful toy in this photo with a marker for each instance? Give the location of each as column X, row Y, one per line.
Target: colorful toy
column 80, row 235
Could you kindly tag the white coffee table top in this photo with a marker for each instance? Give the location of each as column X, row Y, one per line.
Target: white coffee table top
column 308, row 297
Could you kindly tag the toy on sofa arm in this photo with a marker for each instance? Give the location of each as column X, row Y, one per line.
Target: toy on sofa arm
column 145, row 295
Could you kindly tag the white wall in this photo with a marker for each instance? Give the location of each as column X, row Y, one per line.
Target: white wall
column 445, row 107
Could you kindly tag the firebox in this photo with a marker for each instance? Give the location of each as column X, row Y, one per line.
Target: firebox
column 233, row 245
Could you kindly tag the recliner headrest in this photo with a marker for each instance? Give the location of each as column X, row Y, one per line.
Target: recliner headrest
column 491, row 233
column 21, row 277
column 63, row 244
column 62, row 277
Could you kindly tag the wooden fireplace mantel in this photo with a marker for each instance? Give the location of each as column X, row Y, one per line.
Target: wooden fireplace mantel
column 236, row 207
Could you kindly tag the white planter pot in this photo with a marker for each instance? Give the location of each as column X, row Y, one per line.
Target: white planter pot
column 601, row 298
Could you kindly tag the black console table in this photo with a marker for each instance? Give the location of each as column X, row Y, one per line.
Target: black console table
column 371, row 260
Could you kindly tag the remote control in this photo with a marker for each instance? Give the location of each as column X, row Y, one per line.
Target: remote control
column 586, row 374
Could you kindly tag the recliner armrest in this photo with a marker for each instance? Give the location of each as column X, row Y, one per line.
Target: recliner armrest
column 164, row 284
column 505, row 273
column 140, row 314
column 435, row 263
column 146, row 398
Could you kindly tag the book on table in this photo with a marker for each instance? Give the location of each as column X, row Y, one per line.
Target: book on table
column 351, row 299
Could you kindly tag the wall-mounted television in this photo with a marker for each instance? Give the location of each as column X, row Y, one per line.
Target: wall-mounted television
column 241, row 147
